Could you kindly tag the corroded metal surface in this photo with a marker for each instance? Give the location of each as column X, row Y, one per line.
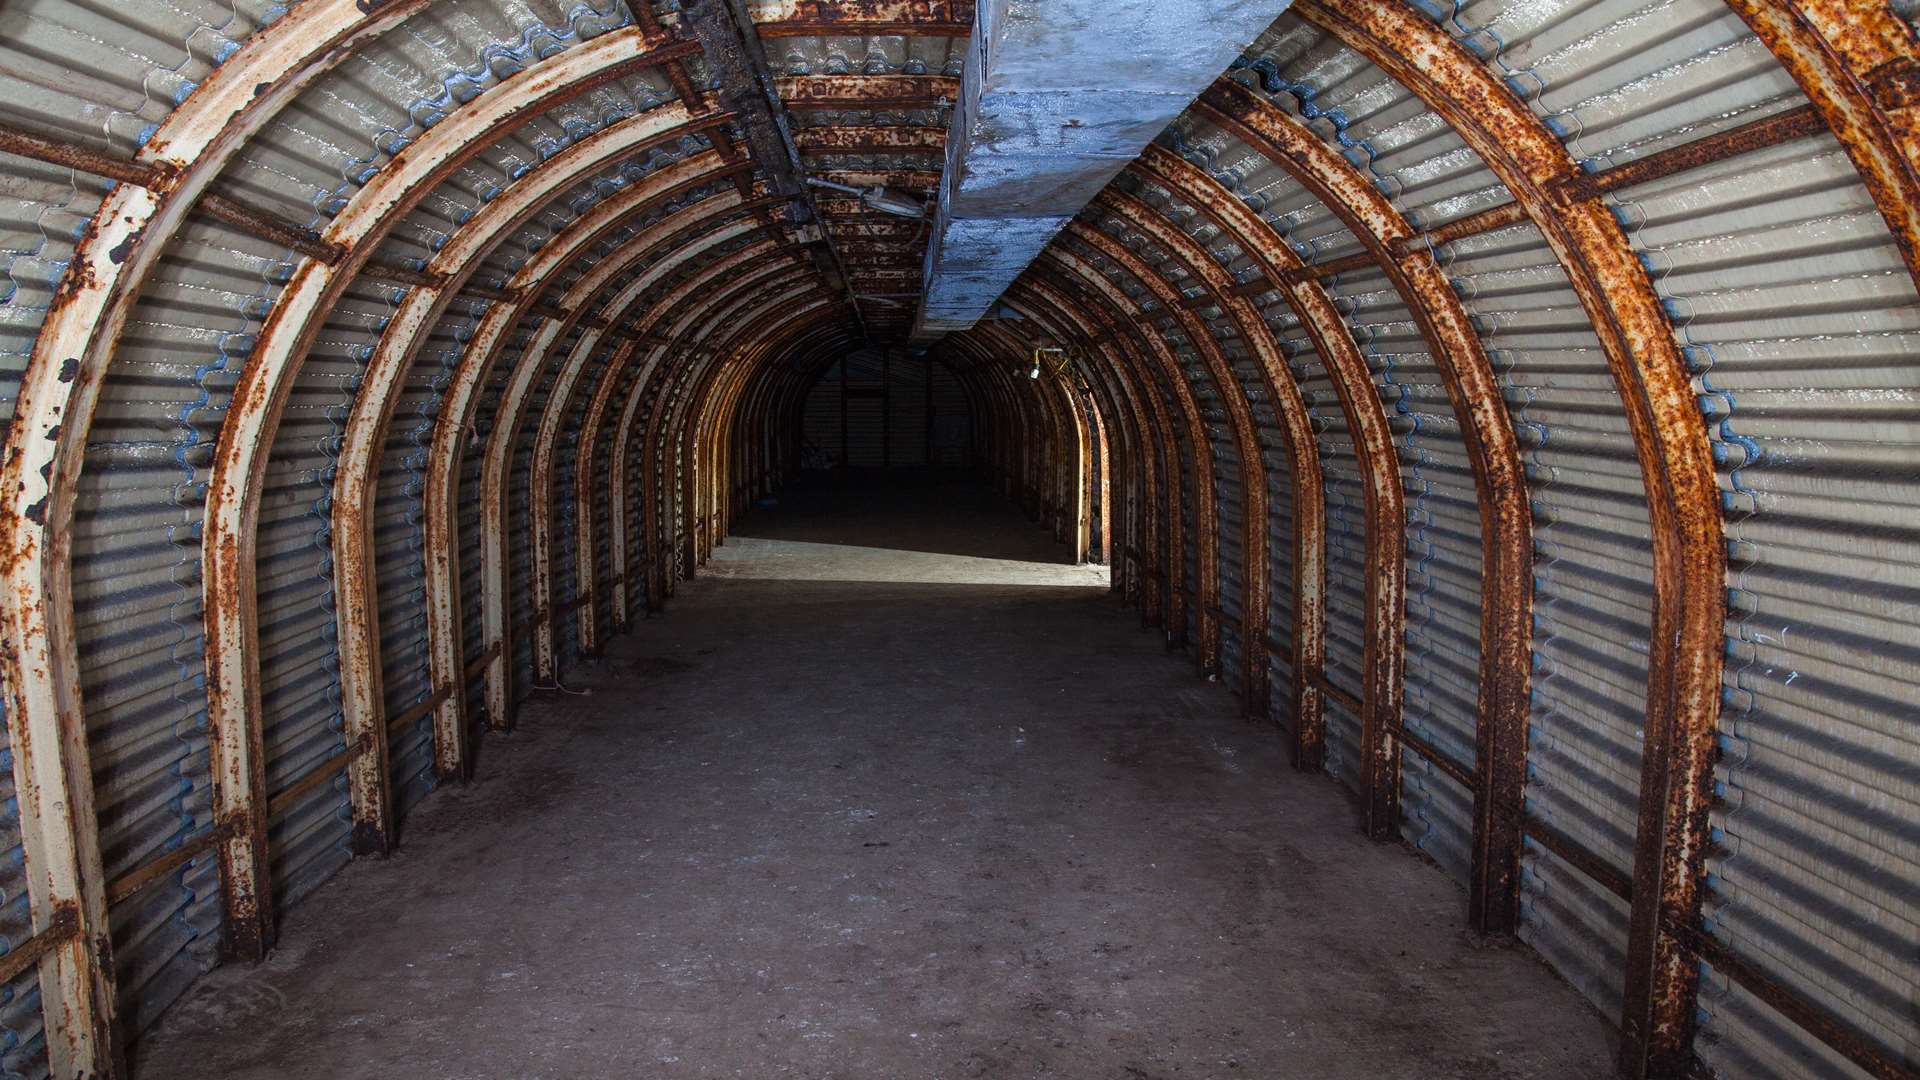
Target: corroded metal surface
column 1309, row 503
column 1860, row 69
column 671, row 234
column 586, row 477
column 715, row 349
column 356, row 603
column 1144, row 440
column 866, row 91
column 246, row 436
column 46, row 443
column 1689, row 556
column 1153, row 347
column 1254, row 336
column 865, row 18
column 1493, row 450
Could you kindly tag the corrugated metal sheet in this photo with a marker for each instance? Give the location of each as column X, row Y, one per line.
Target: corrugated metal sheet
column 894, row 411
column 1793, row 307
column 1590, row 526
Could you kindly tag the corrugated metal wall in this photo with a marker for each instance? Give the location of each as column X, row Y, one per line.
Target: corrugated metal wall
column 889, row 414
column 1793, row 307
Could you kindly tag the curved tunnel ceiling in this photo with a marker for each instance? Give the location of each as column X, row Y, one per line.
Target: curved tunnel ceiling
column 1516, row 403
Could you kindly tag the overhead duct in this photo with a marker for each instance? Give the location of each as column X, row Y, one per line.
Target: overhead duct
column 1056, row 99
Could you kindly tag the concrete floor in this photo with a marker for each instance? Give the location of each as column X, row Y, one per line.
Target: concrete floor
column 885, row 793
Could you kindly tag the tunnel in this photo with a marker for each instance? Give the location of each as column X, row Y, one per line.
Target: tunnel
column 924, row 538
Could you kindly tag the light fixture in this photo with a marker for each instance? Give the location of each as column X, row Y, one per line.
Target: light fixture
column 876, row 198
column 892, row 202
column 1059, row 365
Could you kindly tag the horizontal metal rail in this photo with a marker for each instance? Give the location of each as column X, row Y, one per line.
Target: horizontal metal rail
column 60, row 927
column 258, row 223
column 1828, row 1029
column 1745, row 138
column 138, row 879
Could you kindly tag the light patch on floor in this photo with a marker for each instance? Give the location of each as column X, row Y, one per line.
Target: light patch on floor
column 754, row 558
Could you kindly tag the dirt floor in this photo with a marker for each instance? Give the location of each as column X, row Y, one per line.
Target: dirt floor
column 886, row 792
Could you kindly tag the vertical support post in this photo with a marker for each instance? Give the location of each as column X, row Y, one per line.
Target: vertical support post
column 66, row 884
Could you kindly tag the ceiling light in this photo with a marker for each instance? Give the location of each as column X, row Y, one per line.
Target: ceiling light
column 876, row 198
column 892, row 202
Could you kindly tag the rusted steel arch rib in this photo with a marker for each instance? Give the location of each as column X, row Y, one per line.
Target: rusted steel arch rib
column 1045, row 305
column 738, row 429
column 978, row 409
column 746, row 429
column 1044, row 465
column 1246, row 443
column 584, row 517
column 788, row 389
column 585, row 476
column 1073, row 479
column 1035, row 441
column 828, row 18
column 1047, row 463
column 617, row 494
column 688, row 390
column 1082, row 405
column 724, row 506
column 777, row 381
column 1073, row 502
column 726, row 300
column 1008, row 424
column 1383, row 649
column 1157, row 437
column 787, row 386
column 737, row 364
column 1859, row 66
column 1138, row 464
column 1103, row 339
column 730, row 464
column 355, row 483
column 246, row 438
column 444, row 617
column 771, row 382
column 53, row 413
column 1105, row 380
column 671, row 235
column 1202, row 270
column 1126, row 330
column 653, row 392
column 583, row 299
column 661, row 546
column 540, row 518
column 1689, row 554
column 1493, row 451
column 1379, row 469
column 997, row 426
column 355, row 580
column 1018, row 437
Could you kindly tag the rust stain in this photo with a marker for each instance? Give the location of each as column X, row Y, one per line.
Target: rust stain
column 1669, row 435
column 1505, row 634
